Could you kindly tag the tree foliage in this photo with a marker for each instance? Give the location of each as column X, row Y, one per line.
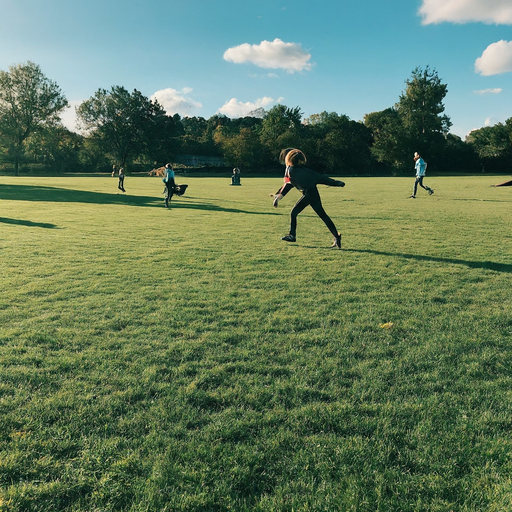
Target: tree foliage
column 29, row 102
column 122, row 127
column 123, row 124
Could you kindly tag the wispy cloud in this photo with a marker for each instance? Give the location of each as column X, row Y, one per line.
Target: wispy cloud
column 496, row 59
column 234, row 108
column 466, row 11
column 488, row 91
column 177, row 102
column 274, row 54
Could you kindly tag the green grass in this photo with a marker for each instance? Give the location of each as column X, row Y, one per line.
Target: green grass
column 189, row 360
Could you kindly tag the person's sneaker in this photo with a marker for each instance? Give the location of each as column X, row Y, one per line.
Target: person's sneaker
column 337, row 242
column 277, row 198
column 340, row 183
column 412, row 197
column 430, row 191
column 288, row 238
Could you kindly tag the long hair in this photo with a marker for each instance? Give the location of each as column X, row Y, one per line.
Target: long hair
column 294, row 158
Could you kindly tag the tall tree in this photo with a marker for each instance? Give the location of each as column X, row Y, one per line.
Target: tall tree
column 421, row 108
column 29, row 102
column 125, row 125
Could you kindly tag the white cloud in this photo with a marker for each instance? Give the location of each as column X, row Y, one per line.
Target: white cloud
column 271, row 55
column 491, row 121
column 177, row 102
column 234, row 108
column 68, row 117
column 496, row 59
column 488, row 91
column 465, row 11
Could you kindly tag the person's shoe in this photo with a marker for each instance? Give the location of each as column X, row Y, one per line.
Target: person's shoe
column 288, row 238
column 277, row 198
column 337, row 242
column 430, row 191
column 341, row 183
column 412, row 197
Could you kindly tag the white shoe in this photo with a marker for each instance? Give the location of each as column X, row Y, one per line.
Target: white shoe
column 277, row 198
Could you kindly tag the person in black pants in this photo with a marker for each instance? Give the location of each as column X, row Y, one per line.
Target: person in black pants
column 306, row 181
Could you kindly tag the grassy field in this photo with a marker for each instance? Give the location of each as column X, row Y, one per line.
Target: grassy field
column 189, row 360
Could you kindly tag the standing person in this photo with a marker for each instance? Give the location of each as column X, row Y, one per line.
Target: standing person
column 114, row 169
column 306, row 180
column 169, row 184
column 120, row 184
column 420, row 166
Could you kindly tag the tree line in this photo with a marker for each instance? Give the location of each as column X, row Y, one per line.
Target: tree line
column 132, row 131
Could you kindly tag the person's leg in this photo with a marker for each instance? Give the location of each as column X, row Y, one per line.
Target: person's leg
column 316, row 204
column 416, row 181
column 299, row 206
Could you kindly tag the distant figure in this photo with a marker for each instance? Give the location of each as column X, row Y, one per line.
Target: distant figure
column 235, row 178
column 420, row 166
column 169, row 184
column 114, row 169
column 120, row 184
column 306, row 180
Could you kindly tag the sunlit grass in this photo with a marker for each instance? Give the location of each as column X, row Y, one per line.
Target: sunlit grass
column 188, row 359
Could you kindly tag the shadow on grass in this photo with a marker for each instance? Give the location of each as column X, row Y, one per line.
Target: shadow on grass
column 29, row 223
column 487, row 265
column 63, row 195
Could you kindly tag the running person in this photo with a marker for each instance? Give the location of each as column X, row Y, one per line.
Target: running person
column 306, row 180
column 420, row 166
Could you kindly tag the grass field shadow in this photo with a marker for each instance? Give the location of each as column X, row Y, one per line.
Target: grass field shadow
column 63, row 195
column 486, row 265
column 28, row 223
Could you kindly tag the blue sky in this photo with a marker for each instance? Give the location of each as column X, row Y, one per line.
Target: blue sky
column 201, row 57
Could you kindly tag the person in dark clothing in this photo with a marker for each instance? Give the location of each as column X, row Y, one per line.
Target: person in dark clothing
column 306, row 180
column 120, row 184
column 170, row 184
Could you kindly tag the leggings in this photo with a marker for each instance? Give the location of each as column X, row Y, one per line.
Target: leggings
column 419, row 181
column 311, row 197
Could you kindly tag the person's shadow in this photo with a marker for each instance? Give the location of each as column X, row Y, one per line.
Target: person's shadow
column 487, row 265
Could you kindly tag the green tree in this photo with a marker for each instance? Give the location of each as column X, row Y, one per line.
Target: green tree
column 56, row 147
column 29, row 102
column 390, row 145
column 340, row 144
column 421, row 108
column 242, row 149
column 281, row 127
column 124, row 125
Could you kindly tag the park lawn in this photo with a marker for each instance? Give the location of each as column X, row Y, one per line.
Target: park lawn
column 189, row 360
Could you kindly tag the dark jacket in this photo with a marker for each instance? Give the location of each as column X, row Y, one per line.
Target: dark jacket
column 303, row 178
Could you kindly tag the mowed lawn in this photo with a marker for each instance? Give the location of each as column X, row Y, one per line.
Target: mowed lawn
column 189, row 360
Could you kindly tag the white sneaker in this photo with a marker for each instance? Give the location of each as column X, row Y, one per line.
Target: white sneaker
column 277, row 198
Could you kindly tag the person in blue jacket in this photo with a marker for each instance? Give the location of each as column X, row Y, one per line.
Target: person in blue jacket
column 169, row 184
column 421, row 166
column 306, row 180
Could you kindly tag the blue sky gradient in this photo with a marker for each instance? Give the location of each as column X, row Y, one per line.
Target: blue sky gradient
column 344, row 56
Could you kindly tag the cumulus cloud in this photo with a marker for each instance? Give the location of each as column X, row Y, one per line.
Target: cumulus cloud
column 234, row 108
column 274, row 54
column 496, row 59
column 465, row 11
column 488, row 91
column 177, row 102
